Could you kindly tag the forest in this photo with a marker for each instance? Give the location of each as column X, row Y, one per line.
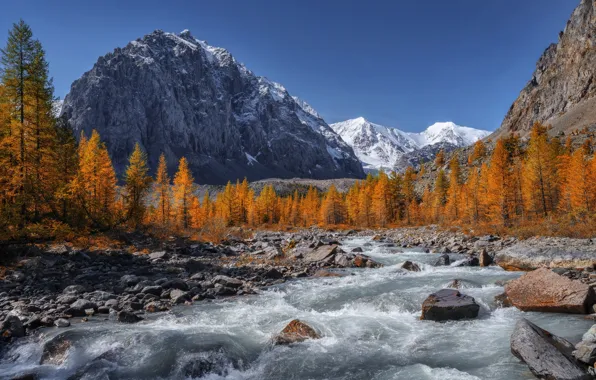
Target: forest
column 54, row 184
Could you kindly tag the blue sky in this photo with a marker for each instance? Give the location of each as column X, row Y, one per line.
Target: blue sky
column 404, row 64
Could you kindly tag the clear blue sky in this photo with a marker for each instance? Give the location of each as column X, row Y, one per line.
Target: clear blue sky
column 404, row 64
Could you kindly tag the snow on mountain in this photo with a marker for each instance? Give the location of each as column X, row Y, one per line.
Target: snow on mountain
column 449, row 132
column 377, row 146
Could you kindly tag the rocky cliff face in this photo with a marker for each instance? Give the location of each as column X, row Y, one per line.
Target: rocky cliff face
column 175, row 94
column 563, row 88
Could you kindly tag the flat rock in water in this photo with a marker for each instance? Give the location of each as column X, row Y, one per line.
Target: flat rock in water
column 548, row 356
column 538, row 253
column 295, row 332
column 321, row 253
column 449, row 304
column 545, row 291
column 444, row 260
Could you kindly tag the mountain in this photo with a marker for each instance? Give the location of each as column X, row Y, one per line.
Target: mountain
column 379, row 147
column 562, row 91
column 178, row 95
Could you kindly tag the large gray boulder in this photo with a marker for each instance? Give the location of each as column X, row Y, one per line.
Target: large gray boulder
column 548, row 356
column 174, row 94
column 449, row 304
column 548, row 253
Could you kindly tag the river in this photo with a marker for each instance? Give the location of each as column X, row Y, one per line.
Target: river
column 369, row 321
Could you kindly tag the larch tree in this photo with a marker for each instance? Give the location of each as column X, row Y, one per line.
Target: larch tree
column 453, row 193
column 163, row 192
column 183, row 193
column 137, row 186
column 499, row 186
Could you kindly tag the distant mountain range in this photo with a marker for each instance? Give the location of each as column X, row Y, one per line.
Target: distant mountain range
column 177, row 95
column 377, row 146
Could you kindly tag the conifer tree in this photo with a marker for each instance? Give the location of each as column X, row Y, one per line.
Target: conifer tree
column 453, row 193
column 163, row 192
column 440, row 158
column 137, row 186
column 183, row 193
column 333, row 209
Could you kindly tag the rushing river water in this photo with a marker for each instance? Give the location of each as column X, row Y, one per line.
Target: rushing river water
column 369, row 322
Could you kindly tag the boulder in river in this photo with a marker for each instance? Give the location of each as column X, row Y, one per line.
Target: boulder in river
column 444, row 260
column 56, row 350
column 296, row 331
column 545, row 291
column 485, row 259
column 410, row 266
column 585, row 351
column 449, row 304
column 128, row 317
column 548, row 356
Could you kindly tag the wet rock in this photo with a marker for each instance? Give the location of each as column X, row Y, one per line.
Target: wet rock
column 321, row 253
column 128, row 317
column 343, row 260
column 11, row 328
column 296, row 331
column 155, row 306
column 83, row 304
column 410, row 266
column 449, row 304
column 485, row 259
column 585, row 352
column 27, row 376
column 56, row 351
column 357, row 250
column 545, row 291
column 327, row 273
column 470, row 261
column 548, row 356
column 61, row 322
column 444, row 260
column 153, row 289
column 502, row 300
column 455, row 284
column 227, row 281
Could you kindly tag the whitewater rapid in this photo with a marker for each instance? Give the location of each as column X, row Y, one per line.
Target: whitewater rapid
column 369, row 321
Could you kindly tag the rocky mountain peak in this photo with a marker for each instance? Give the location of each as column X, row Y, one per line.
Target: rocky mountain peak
column 563, row 87
column 178, row 95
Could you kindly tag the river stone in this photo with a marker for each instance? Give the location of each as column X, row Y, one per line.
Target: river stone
column 12, row 327
column 443, row 260
column 485, row 259
column 152, row 289
column 159, row 255
column 74, row 289
column 327, row 273
column 449, row 304
column 548, row 356
column 545, row 291
column 343, row 260
column 410, row 266
column 296, row 331
column 585, row 352
column 321, row 253
column 55, row 351
column 61, row 322
column 273, row 274
column 128, row 317
column 357, row 250
column 228, row 281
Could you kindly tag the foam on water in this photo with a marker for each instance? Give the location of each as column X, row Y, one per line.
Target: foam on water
column 369, row 321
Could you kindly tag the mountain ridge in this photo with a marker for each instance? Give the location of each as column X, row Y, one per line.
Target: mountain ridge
column 381, row 147
column 175, row 94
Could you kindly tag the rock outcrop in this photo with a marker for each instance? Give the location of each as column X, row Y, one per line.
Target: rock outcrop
column 545, row 291
column 563, row 88
column 449, row 305
column 176, row 95
column 548, row 356
column 548, row 252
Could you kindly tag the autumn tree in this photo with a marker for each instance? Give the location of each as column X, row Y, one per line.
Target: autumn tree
column 137, row 186
column 183, row 193
column 440, row 158
column 163, row 192
column 454, row 192
column 333, row 210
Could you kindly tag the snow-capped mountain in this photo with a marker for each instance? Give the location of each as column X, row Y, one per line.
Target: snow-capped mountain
column 448, row 133
column 175, row 94
column 377, row 146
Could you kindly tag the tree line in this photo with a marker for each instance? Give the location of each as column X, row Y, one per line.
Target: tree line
column 49, row 181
